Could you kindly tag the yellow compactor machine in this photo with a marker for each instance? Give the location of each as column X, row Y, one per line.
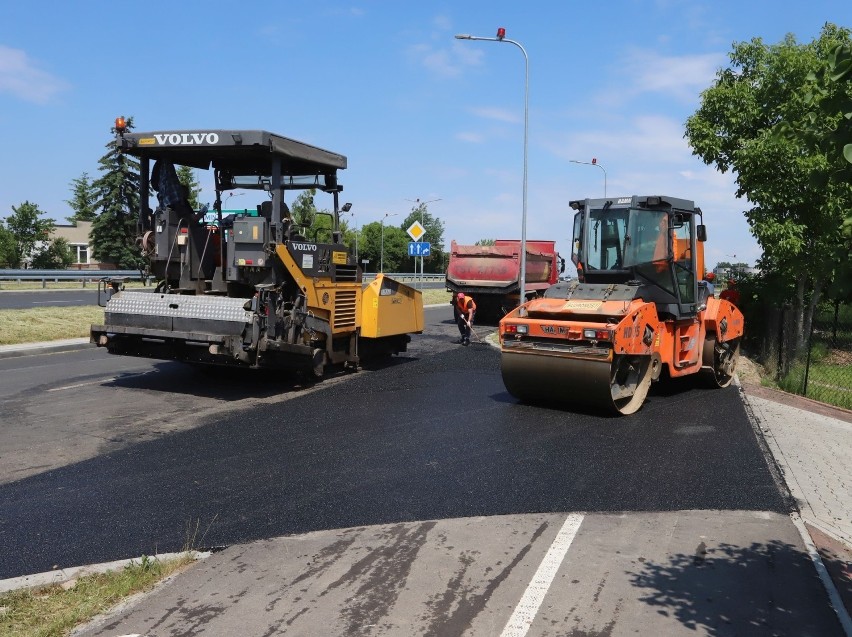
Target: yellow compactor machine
column 248, row 289
column 639, row 310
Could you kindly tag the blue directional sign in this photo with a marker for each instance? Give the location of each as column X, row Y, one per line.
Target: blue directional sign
column 419, row 248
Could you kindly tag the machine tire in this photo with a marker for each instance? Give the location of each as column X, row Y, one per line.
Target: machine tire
column 719, row 361
column 630, row 381
column 318, row 369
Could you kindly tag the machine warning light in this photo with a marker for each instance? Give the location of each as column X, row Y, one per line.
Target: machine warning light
column 120, row 125
column 501, row 33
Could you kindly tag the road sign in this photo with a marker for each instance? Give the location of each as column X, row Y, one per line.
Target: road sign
column 419, row 248
column 416, row 231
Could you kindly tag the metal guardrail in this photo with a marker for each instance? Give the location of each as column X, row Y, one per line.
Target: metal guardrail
column 407, row 276
column 68, row 275
column 84, row 276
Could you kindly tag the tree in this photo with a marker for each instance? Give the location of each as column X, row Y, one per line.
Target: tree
column 796, row 209
column 303, row 210
column 7, row 247
column 56, row 256
column 186, row 176
column 484, row 242
column 828, row 128
column 28, row 230
column 395, row 247
column 434, row 235
column 83, row 199
column 118, row 190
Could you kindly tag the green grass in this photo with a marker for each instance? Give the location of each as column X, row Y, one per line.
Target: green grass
column 53, row 611
column 56, row 323
column 434, row 297
column 828, row 382
column 34, row 325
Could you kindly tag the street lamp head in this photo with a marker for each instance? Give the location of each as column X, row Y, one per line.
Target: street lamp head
column 464, row 36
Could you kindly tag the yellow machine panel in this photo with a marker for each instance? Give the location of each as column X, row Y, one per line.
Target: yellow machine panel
column 389, row 307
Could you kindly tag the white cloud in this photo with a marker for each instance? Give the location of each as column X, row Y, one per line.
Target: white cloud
column 442, row 22
column 445, row 62
column 654, row 139
column 680, row 77
column 471, row 137
column 499, row 114
column 20, row 77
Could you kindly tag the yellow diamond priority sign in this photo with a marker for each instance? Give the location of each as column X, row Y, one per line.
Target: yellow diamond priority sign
column 416, row 230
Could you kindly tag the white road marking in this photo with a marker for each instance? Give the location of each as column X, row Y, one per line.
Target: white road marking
column 825, row 578
column 55, row 302
column 97, row 382
column 524, row 614
column 94, row 382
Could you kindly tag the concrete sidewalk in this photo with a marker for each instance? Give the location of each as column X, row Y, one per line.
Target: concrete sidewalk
column 811, row 444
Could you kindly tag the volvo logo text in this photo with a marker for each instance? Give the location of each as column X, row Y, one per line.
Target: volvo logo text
column 305, row 247
column 186, row 139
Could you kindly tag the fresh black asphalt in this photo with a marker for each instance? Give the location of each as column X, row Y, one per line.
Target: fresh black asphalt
column 428, row 437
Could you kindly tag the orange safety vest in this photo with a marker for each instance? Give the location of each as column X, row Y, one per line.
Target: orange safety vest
column 466, row 304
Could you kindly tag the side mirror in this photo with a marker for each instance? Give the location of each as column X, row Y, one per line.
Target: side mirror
column 701, row 232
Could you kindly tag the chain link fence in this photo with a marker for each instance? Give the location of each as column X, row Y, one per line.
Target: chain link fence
column 817, row 365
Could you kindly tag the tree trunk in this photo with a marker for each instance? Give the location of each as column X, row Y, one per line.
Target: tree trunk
column 816, row 295
column 798, row 312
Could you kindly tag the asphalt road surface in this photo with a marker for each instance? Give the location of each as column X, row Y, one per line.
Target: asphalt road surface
column 103, row 458
column 10, row 300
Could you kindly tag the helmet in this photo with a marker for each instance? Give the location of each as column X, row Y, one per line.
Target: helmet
column 460, row 295
column 710, row 277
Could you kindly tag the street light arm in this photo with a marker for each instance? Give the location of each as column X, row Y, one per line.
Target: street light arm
column 588, row 163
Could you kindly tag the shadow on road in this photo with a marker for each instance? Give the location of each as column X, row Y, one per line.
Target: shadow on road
column 712, row 591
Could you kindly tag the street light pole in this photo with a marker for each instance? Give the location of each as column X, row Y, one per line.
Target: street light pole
column 594, row 162
column 501, row 37
column 382, row 250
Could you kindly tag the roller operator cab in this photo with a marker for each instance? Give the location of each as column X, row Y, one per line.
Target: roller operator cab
column 249, row 288
column 639, row 307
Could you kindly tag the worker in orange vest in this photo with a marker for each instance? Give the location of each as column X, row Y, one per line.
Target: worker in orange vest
column 731, row 293
column 464, row 309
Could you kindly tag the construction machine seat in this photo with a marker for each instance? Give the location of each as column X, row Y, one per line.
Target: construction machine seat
column 265, row 210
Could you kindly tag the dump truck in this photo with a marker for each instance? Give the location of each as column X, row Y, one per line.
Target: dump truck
column 640, row 310
column 248, row 290
column 490, row 274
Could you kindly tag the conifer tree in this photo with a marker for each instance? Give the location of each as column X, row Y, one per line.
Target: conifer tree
column 117, row 189
column 83, row 199
column 186, row 176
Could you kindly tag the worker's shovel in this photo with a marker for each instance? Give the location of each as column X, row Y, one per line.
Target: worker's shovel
column 473, row 331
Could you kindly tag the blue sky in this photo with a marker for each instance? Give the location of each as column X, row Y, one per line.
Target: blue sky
column 418, row 113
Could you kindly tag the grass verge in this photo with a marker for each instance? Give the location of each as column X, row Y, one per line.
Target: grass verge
column 56, row 323
column 47, row 323
column 53, row 611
